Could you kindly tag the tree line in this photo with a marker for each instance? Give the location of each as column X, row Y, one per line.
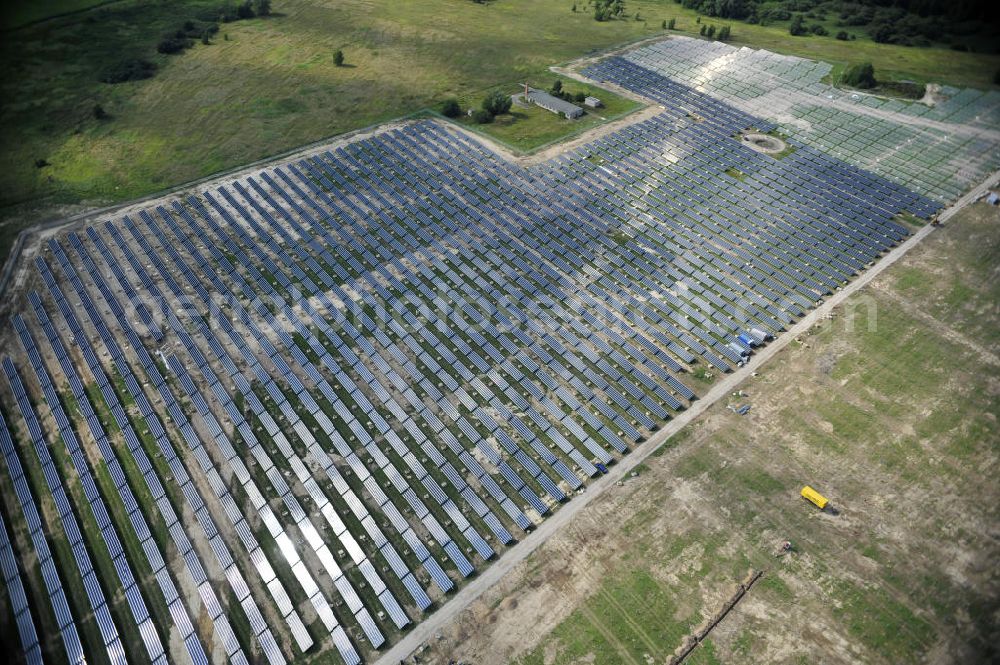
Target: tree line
column 904, row 22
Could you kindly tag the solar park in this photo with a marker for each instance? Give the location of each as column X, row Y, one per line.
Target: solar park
column 327, row 393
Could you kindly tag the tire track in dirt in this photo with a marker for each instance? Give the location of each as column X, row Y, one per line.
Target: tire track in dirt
column 608, row 635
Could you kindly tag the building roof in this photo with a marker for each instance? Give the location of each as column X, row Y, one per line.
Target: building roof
column 546, row 100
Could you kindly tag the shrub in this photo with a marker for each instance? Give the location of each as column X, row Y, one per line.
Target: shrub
column 245, row 10
column 842, row 35
column 861, row 75
column 724, row 33
column 671, row 23
column 580, row 97
column 129, row 70
column 100, row 113
column 263, row 7
column 338, row 58
column 557, row 87
column 482, row 117
column 450, row 108
column 818, row 29
column 173, row 44
column 710, row 32
column 41, row 163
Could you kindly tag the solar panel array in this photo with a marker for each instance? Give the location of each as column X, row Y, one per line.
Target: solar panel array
column 12, row 582
column 348, row 382
column 59, row 606
column 937, row 150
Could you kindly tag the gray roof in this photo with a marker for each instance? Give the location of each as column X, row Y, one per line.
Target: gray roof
column 546, row 100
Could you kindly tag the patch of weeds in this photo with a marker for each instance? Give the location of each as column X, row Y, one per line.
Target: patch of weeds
column 680, row 437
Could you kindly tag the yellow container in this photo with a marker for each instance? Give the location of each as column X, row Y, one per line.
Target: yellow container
column 814, row 497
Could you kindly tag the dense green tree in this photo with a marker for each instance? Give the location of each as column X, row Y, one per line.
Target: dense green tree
column 262, row 7
column 496, row 103
column 557, row 87
column 883, row 33
column 450, row 108
column 671, row 23
column 338, row 58
column 797, row 27
column 842, row 35
column 724, row 33
column 860, row 75
column 710, row 32
column 171, row 45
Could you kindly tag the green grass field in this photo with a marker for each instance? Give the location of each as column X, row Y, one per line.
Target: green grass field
column 528, row 128
column 266, row 86
column 17, row 13
column 890, row 409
